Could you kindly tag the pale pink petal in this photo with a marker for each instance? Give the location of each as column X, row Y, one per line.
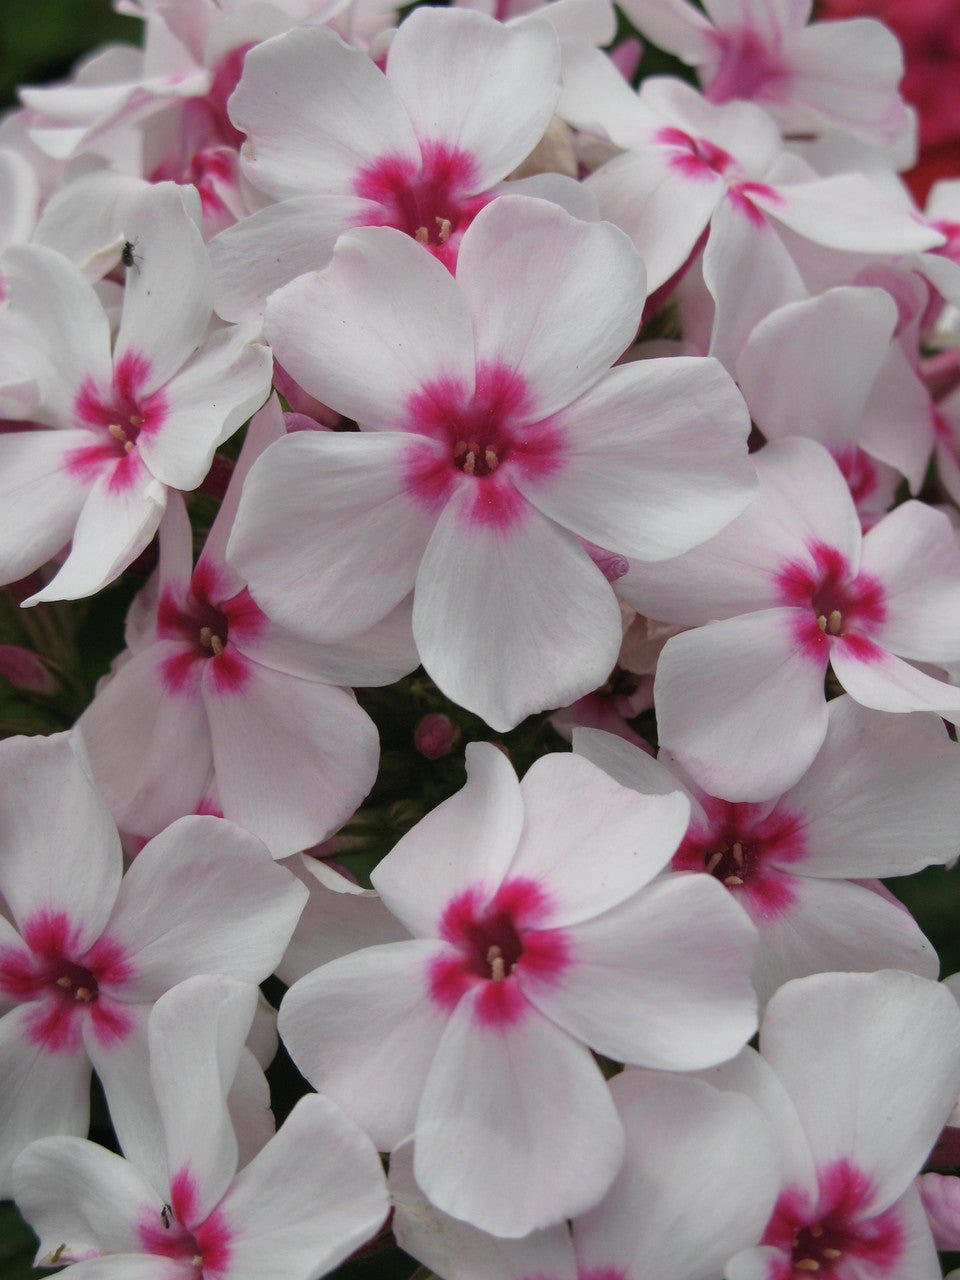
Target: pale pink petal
column 496, row 1112
column 647, row 985
column 197, row 1034
column 203, row 897
column 477, row 830
column 628, row 764
column 148, row 741
column 327, row 535
column 533, row 587
column 803, row 335
column 749, row 273
column 313, row 1195
column 363, row 1031
column 662, row 211
column 339, row 918
column 878, row 679
column 901, row 1039
column 43, row 1092
column 837, row 926
column 275, row 245
column 881, row 798
column 898, row 420
column 745, row 728
column 198, row 419
column 293, row 759
column 645, row 470
column 60, row 320
column 449, row 1246
column 75, row 1193
column 494, row 107
column 334, row 332
column 674, row 25
column 562, row 330
column 914, row 554
column 167, row 298
column 574, row 814
column 61, row 851
column 803, row 500
column 317, row 112
column 129, row 1266
column 121, row 514
column 700, row 1177
column 41, row 496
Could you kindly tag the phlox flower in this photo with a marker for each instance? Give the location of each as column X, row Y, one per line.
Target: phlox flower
column 495, row 438
column 538, row 932
column 789, row 588
column 422, row 147
column 214, row 708
column 856, row 1073
column 117, row 423
column 880, row 799
column 810, row 77
column 199, row 1204
column 697, row 1184
column 86, row 951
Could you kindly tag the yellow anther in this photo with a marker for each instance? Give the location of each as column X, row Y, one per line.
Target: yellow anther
column 470, row 463
column 833, row 1253
column 732, row 880
column 422, row 235
column 807, row 1264
column 822, row 622
column 64, row 981
column 206, row 637
column 83, row 994
column 444, row 233
column 835, row 622
column 816, row 1231
column 737, row 852
column 491, row 459
column 117, row 432
column 498, row 970
column 713, row 862
column 216, row 644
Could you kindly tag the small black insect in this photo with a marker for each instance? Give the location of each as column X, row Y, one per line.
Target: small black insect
column 127, row 255
column 165, row 1213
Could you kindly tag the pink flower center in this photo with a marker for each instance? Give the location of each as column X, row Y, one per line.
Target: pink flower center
column 493, row 941
column 63, row 983
column 696, row 157
column 206, row 1248
column 126, row 412
column 431, row 202
column 747, row 848
column 202, row 620
column 840, row 603
column 838, row 1236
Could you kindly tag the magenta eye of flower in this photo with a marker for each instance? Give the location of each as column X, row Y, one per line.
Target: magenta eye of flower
column 817, row 1249
column 493, row 946
column 72, row 982
column 475, row 458
column 429, row 201
column 732, row 862
column 839, row 599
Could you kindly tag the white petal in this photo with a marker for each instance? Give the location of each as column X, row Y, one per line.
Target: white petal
column 647, row 985
column 563, row 329
column 878, row 679
column 314, row 1194
column 363, row 1031
column 495, row 1113
column 203, row 897
column 878, row 1090
column 41, row 495
column 468, row 840
column 480, row 580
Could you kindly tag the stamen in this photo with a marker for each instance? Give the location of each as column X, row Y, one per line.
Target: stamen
column 117, row 432
column 137, row 419
column 713, row 862
column 83, row 994
column 460, row 448
column 733, row 880
column 444, row 233
column 197, row 1261
column 422, row 235
column 63, row 982
column 216, row 644
column 491, row 459
column 822, row 622
column 737, row 852
column 498, row 970
column 833, row 1253
column 470, row 463
column 807, row 1264
column 206, row 637
column 816, row 1231
column 835, row 622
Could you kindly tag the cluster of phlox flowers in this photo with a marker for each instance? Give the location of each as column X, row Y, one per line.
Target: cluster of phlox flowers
column 535, row 500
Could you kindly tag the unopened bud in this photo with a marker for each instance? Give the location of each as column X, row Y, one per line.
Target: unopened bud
column 435, row 736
